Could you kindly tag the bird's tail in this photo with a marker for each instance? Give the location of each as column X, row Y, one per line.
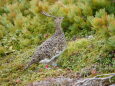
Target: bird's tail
column 34, row 60
column 28, row 65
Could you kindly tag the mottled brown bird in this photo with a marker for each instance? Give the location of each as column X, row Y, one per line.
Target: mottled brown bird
column 49, row 50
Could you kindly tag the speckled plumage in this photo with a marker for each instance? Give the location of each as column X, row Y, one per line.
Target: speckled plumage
column 52, row 47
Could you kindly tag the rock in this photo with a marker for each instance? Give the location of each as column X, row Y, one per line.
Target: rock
column 99, row 80
column 96, row 81
column 61, row 81
column 112, row 85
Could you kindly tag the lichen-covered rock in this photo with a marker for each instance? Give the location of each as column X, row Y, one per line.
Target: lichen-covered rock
column 62, row 81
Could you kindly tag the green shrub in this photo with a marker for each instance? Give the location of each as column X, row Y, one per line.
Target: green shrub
column 111, row 43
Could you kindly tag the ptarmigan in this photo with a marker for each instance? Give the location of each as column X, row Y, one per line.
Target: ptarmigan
column 49, row 50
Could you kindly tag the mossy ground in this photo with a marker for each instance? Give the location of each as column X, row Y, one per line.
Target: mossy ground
column 13, row 73
column 82, row 53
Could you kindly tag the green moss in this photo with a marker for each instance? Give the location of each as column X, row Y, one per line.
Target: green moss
column 1, row 34
column 2, row 51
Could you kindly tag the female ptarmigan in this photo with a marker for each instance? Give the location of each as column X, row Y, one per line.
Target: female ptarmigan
column 49, row 50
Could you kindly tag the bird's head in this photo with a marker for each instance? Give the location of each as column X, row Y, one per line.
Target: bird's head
column 58, row 20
